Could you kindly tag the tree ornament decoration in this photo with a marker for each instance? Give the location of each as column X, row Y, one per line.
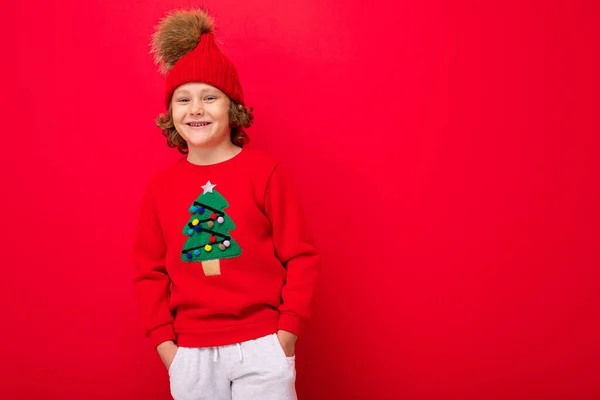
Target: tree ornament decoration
column 203, row 234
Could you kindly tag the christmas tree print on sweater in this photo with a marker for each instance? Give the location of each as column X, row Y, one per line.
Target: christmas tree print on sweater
column 208, row 232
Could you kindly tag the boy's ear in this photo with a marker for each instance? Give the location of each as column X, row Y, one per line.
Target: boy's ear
column 177, row 34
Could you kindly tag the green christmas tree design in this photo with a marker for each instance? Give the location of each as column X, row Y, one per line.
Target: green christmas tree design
column 208, row 232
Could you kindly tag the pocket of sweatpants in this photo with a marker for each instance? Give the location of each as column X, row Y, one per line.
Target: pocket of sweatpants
column 175, row 358
column 291, row 359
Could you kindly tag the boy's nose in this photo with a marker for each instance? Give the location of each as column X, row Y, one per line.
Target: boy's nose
column 197, row 109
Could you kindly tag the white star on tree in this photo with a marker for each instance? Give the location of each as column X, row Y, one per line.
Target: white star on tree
column 208, row 188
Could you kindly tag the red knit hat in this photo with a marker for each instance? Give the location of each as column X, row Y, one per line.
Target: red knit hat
column 184, row 48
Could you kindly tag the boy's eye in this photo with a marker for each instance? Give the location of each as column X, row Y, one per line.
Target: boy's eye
column 207, row 98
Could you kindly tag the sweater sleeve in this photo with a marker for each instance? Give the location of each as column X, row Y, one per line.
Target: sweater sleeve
column 294, row 247
column 151, row 281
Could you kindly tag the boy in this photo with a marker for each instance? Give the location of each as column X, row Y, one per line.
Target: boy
column 225, row 264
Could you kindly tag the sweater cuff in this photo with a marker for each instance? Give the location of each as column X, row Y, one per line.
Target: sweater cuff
column 289, row 322
column 162, row 334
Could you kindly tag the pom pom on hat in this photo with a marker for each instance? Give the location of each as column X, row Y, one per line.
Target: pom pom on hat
column 177, row 34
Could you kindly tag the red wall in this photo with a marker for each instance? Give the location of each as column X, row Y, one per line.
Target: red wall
column 446, row 153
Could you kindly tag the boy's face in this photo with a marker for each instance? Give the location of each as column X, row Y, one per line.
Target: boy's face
column 201, row 114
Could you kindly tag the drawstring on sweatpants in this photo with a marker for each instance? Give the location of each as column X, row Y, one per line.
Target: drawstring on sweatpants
column 239, row 346
column 216, row 353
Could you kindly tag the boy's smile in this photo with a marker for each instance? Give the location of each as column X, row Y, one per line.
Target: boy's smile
column 198, row 125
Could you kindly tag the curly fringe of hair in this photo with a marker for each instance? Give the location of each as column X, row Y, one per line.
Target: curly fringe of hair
column 239, row 117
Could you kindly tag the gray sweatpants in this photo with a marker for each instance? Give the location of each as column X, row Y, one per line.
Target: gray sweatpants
column 255, row 369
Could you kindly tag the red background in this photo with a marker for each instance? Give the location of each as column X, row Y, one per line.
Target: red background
column 446, row 154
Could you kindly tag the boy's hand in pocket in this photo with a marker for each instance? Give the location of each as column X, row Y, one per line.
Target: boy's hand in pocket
column 166, row 351
column 287, row 341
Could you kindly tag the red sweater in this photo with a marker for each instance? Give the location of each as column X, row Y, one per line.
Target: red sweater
column 223, row 253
